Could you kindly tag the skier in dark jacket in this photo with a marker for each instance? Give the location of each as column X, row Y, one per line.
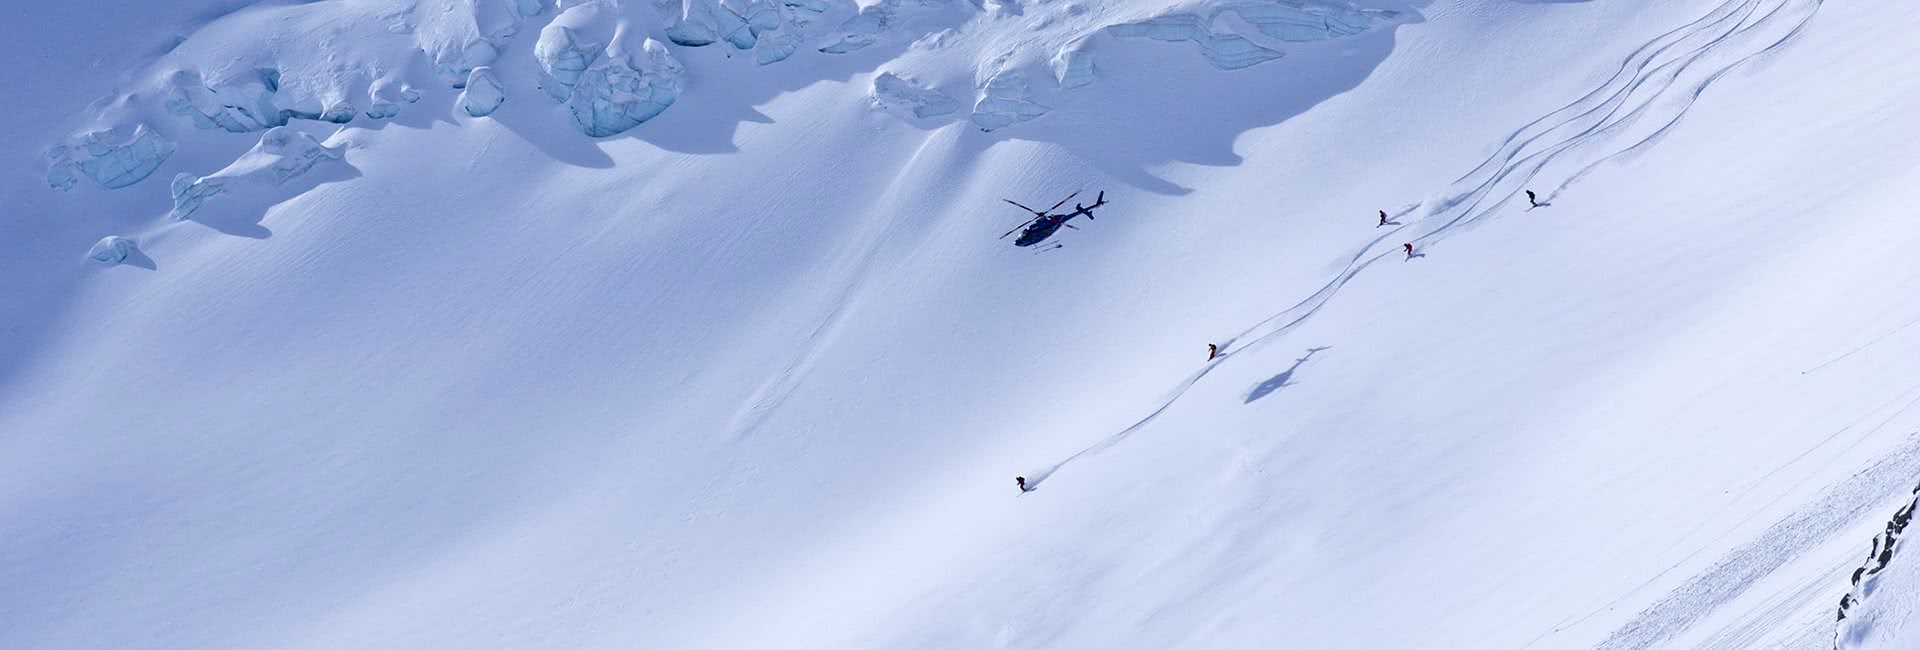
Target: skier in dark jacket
column 1022, row 482
column 1383, row 218
column 1213, row 351
column 1532, row 202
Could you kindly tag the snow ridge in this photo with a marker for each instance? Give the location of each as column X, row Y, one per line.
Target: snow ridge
column 1886, row 546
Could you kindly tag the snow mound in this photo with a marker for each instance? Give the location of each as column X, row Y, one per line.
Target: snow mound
column 625, row 87
column 1004, row 102
column 608, row 88
column 483, row 94
column 112, row 161
column 567, row 46
column 281, row 155
column 111, row 250
column 1221, row 40
column 386, row 96
column 894, row 92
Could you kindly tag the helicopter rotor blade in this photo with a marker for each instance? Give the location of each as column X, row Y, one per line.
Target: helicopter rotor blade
column 1064, row 201
column 1017, row 204
column 1023, row 224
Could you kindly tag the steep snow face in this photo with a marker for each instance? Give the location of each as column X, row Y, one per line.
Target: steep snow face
column 756, row 372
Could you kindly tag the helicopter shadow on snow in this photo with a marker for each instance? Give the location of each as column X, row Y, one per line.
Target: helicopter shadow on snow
column 1284, row 379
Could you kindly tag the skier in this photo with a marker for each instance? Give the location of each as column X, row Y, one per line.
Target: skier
column 1409, row 248
column 1532, row 202
column 1383, row 218
column 1022, row 482
column 1213, row 351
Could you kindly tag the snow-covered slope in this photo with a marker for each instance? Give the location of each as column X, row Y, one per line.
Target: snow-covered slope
column 596, row 323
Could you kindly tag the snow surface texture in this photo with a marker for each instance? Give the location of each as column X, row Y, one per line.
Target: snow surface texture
column 756, row 372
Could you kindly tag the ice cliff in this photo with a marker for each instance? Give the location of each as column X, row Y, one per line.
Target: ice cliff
column 1288, row 21
column 611, row 62
column 109, row 158
column 608, row 88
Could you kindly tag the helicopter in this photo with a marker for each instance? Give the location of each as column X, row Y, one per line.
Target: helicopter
column 1045, row 222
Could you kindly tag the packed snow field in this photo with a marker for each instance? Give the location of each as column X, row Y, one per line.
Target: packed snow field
column 614, row 324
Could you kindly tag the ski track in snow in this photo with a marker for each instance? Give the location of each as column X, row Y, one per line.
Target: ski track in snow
column 1862, row 347
column 1800, row 606
column 1645, row 79
column 866, row 249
